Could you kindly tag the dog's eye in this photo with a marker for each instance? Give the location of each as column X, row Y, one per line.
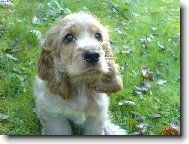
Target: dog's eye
column 98, row 36
column 69, row 38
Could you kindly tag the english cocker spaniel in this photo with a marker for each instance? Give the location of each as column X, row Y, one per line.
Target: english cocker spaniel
column 76, row 70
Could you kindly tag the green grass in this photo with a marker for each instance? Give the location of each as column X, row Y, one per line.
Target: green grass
column 129, row 21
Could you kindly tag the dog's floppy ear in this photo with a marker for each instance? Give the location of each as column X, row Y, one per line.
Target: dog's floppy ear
column 49, row 66
column 45, row 65
column 110, row 82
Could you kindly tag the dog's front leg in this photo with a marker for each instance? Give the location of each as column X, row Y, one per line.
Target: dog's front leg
column 55, row 125
column 94, row 126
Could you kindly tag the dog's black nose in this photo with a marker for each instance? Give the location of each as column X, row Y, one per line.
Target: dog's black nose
column 91, row 56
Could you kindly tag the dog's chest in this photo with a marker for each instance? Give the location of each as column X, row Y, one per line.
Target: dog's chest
column 84, row 104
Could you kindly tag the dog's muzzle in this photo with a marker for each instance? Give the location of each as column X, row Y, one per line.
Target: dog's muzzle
column 91, row 56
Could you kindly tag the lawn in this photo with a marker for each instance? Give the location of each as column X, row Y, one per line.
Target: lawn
column 145, row 38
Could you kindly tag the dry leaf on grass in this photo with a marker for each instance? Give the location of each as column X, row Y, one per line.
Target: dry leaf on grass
column 142, row 127
column 155, row 116
column 3, row 117
column 12, row 57
column 145, row 86
column 127, row 102
column 175, row 125
column 137, row 90
column 138, row 116
column 161, row 46
column 35, row 20
column 6, row 3
column 154, row 28
column 161, row 82
column 147, row 74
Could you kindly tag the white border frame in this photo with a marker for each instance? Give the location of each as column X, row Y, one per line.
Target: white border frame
column 184, row 139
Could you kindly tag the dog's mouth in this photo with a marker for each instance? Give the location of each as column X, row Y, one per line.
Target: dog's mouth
column 88, row 75
column 92, row 72
column 87, row 72
column 92, row 69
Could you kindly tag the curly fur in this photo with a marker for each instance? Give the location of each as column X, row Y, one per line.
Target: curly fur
column 68, row 88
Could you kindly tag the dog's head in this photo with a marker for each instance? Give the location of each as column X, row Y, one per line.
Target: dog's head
column 77, row 50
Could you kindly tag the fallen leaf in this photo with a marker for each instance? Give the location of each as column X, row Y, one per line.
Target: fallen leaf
column 2, row 30
column 138, row 116
column 141, row 118
column 117, row 29
column 161, row 82
column 161, row 46
column 114, row 10
column 159, row 63
column 134, row 72
column 157, row 74
column 143, row 40
column 57, row 4
column 155, row 116
column 66, row 10
column 175, row 132
column 40, row 6
column 51, row 5
column 126, row 65
column 128, row 103
column 122, row 69
column 135, row 14
column 142, row 127
column 149, row 39
column 137, row 90
column 169, row 131
column 35, row 20
column 37, row 33
column 146, row 86
column 12, row 50
column 145, row 46
column 151, row 36
column 147, row 74
column 155, row 98
column 11, row 57
column 30, row 62
column 6, row 3
column 126, row 52
column 3, row 117
column 43, row 18
column 154, row 28
column 175, row 124
column 85, row 9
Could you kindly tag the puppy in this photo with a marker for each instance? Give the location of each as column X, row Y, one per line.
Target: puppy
column 76, row 70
